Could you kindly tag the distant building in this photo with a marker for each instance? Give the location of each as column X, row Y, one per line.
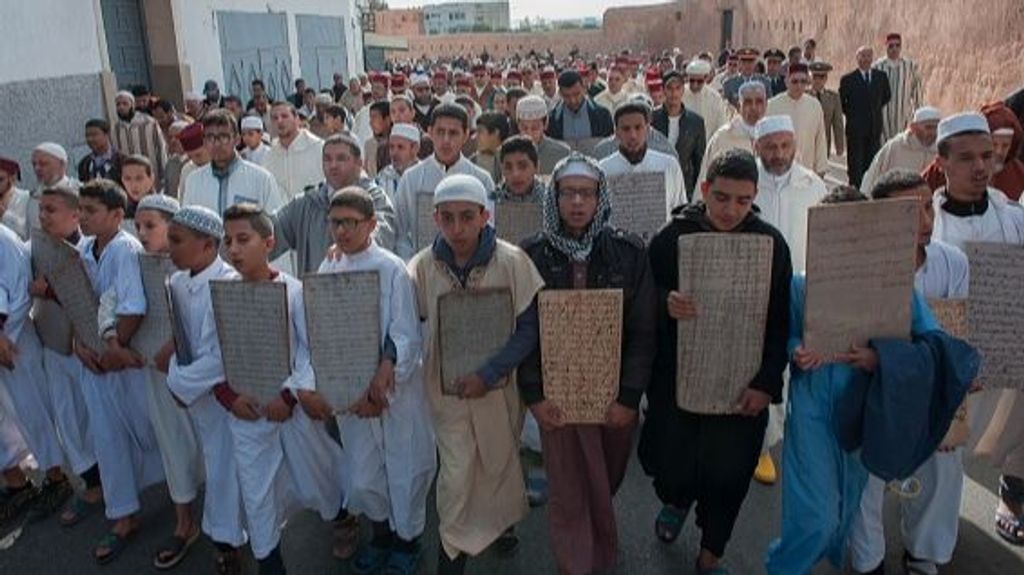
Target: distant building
column 461, row 17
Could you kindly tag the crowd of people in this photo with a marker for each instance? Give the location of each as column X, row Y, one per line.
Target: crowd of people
column 331, row 181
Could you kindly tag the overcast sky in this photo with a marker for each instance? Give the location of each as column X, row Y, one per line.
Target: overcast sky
column 550, row 9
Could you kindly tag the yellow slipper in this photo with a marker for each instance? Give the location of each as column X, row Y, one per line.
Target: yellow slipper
column 765, row 472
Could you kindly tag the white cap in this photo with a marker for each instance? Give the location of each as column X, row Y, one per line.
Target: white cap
column 926, row 114
column 407, row 131
column 125, row 94
column 53, row 149
column 769, row 125
column 698, row 68
column 460, row 188
column 752, row 85
column 531, row 108
column 961, row 123
column 324, row 98
column 252, row 123
column 193, row 97
column 1003, row 132
column 578, row 168
column 418, row 79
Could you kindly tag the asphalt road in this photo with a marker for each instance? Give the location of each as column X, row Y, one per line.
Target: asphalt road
column 46, row 549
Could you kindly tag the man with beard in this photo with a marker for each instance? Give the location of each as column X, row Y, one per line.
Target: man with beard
column 423, row 100
column 912, row 149
column 138, row 133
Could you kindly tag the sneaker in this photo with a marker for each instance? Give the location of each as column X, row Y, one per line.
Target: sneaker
column 52, row 497
column 14, row 502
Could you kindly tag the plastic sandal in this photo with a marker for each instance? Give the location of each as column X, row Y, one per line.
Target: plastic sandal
column 115, row 543
column 77, row 510
column 174, row 550
column 1010, row 527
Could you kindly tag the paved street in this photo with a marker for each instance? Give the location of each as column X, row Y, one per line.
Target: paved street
column 46, row 549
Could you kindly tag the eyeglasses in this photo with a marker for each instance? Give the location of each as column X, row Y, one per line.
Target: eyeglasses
column 348, row 224
column 218, row 138
column 895, row 45
column 586, row 194
column 799, row 80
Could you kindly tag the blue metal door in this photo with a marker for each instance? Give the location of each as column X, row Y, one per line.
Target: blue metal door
column 255, row 45
column 321, row 49
column 126, row 41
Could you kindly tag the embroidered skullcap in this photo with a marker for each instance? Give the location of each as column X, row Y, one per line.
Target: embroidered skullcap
column 160, row 203
column 531, row 108
column 200, row 220
column 460, row 188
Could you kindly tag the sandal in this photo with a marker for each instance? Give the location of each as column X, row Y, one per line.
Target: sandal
column 403, row 563
column 669, row 523
column 1010, row 527
column 346, row 538
column 78, row 510
column 370, row 559
column 174, row 550
column 115, row 544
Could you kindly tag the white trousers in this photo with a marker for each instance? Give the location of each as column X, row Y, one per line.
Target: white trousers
column 179, row 448
column 126, row 447
column 12, row 445
column 259, row 458
column 223, row 519
column 64, row 380
column 25, row 385
column 929, row 523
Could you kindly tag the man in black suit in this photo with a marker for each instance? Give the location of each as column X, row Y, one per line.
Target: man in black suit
column 576, row 116
column 863, row 93
column 673, row 119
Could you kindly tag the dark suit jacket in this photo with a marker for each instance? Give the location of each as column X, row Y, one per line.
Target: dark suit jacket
column 112, row 170
column 601, row 125
column 690, row 145
column 862, row 104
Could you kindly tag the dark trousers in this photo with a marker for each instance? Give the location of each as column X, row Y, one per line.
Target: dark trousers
column 860, row 151
column 715, row 459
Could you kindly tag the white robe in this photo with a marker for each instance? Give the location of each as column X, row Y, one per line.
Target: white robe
column 390, row 461
column 32, row 411
column 125, row 444
column 423, row 178
column 657, row 162
column 709, row 105
column 784, row 201
column 809, row 123
column 735, row 135
column 903, row 151
column 297, row 166
column 13, row 449
column 1002, row 222
column 192, row 384
column 247, row 182
column 930, row 521
column 611, row 101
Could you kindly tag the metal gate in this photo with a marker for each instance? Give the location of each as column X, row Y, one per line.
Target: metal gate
column 321, row 49
column 255, row 45
column 126, row 41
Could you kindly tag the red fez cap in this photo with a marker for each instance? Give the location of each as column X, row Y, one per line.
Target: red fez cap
column 797, row 68
column 651, row 74
column 514, row 75
column 496, row 73
column 547, row 74
column 191, row 137
column 464, row 80
column 479, row 68
column 893, row 36
column 11, row 167
column 440, row 75
column 398, row 80
column 654, row 85
column 378, row 78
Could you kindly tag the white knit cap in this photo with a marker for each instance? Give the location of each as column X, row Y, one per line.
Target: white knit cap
column 407, row 131
column 418, row 79
column 926, row 114
column 961, row 123
column 531, row 108
column 460, row 188
column 53, row 149
column 125, row 94
column 252, row 123
column 698, row 68
column 769, row 125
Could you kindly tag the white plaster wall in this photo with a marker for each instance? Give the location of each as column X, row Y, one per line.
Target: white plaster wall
column 199, row 43
column 49, row 39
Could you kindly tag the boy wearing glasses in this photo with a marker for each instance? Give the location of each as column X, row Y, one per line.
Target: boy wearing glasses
column 228, row 179
column 808, row 119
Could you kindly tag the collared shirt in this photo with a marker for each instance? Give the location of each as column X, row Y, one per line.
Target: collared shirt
column 242, row 182
column 576, row 125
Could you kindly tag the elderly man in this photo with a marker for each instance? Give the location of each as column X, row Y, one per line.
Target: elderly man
column 302, row 224
column 532, row 119
column 864, row 93
column 706, row 103
column 295, row 157
column 739, row 133
column 831, row 106
column 913, row 149
column 576, row 117
column 138, row 133
column 50, row 164
column 904, row 85
column 808, row 119
column 615, row 93
column 403, row 149
column 13, row 200
column 632, row 121
column 785, row 189
column 683, row 128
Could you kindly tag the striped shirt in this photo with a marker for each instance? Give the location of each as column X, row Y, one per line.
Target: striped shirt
column 905, row 85
column 142, row 135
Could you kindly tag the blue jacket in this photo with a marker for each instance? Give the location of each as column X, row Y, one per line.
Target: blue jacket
column 899, row 415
